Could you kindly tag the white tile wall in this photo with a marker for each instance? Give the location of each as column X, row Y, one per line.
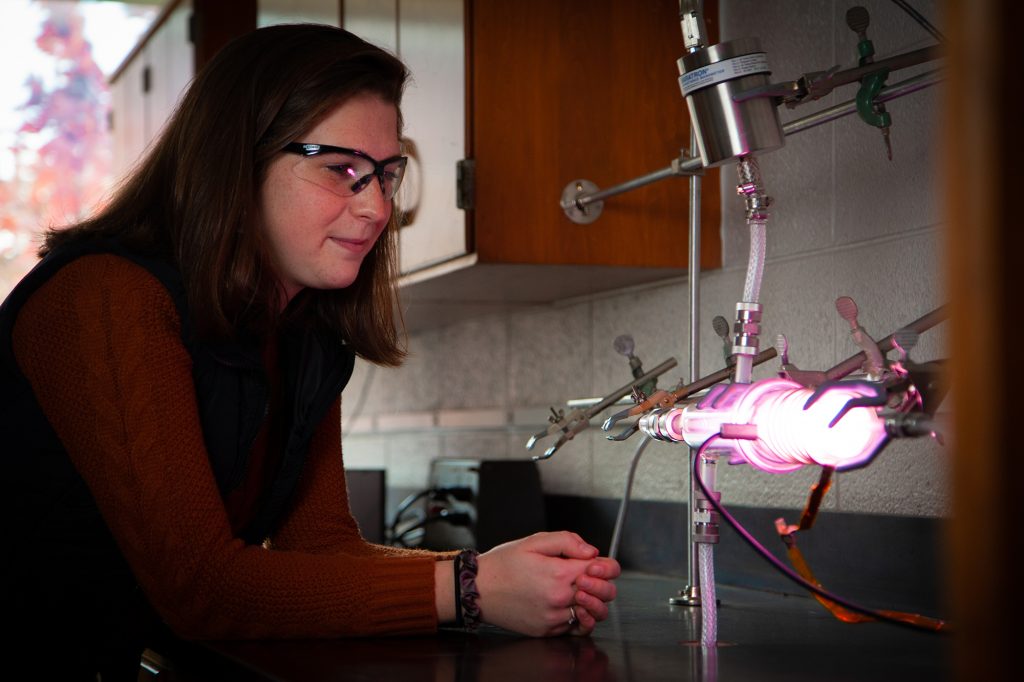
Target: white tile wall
column 846, row 222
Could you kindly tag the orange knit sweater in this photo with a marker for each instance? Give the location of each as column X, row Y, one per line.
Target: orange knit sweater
column 100, row 345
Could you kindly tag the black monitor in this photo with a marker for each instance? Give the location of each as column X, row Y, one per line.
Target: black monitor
column 366, row 490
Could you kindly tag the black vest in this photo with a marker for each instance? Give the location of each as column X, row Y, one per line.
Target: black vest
column 63, row 576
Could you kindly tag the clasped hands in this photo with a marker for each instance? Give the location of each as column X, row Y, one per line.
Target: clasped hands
column 540, row 584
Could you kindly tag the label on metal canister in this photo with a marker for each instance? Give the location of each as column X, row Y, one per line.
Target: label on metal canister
column 725, row 70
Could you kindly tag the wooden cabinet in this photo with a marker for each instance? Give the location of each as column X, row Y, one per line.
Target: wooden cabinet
column 549, row 91
column 568, row 90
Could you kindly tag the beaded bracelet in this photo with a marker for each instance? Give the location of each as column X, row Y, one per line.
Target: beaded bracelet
column 467, row 612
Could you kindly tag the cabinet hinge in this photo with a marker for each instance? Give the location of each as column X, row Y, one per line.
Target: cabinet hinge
column 465, row 183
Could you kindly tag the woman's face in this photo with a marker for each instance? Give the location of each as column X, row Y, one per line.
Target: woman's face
column 317, row 238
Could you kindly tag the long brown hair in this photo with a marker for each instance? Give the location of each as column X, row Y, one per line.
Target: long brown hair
column 194, row 197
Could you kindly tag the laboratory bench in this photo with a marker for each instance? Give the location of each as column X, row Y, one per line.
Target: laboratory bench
column 762, row 636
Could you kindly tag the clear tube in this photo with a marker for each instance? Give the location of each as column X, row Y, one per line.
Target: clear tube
column 746, row 343
column 755, row 264
column 709, row 605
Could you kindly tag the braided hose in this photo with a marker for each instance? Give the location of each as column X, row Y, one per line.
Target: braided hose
column 708, row 602
column 748, row 310
column 755, row 264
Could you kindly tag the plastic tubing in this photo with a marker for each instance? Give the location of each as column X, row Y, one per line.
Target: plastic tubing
column 752, row 189
column 708, row 602
column 755, row 263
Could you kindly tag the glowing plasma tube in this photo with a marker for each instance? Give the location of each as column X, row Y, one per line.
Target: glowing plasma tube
column 774, row 425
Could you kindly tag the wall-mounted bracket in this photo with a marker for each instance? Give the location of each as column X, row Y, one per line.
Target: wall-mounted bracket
column 582, row 202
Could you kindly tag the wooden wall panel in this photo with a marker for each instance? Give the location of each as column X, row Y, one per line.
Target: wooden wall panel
column 562, row 90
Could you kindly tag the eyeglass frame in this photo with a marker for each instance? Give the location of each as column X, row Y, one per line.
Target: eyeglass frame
column 308, row 149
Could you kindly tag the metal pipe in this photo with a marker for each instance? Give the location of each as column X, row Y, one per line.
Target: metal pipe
column 692, row 572
column 583, row 200
column 919, row 18
column 815, row 86
column 850, row 364
column 895, row 91
column 920, row 325
column 894, row 63
column 690, row 166
column 694, row 268
column 721, row 375
column 622, row 391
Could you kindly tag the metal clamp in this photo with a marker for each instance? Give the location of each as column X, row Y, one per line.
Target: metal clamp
column 578, row 419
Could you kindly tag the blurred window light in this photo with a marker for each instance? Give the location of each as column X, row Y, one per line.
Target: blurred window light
column 55, row 147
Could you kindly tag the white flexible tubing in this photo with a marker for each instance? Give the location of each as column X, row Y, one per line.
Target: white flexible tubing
column 620, row 520
column 755, row 262
column 752, row 287
column 708, row 602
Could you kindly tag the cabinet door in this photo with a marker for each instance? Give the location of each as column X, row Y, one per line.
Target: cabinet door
column 565, row 90
column 431, row 42
column 128, row 99
column 145, row 93
column 170, row 59
column 428, row 35
column 373, row 20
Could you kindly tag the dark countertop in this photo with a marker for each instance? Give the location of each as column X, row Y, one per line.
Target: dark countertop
column 762, row 636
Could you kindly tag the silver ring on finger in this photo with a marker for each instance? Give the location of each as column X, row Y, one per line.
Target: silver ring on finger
column 573, row 620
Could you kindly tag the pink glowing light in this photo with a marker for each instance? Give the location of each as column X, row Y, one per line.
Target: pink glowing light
column 766, row 425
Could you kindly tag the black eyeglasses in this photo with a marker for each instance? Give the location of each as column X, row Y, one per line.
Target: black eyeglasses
column 345, row 171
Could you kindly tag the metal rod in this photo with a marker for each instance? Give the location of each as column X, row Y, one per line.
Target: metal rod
column 584, row 199
column 694, row 266
column 692, row 574
column 920, row 325
column 622, row 391
column 895, row 63
column 693, row 165
column 721, row 375
column 906, row 87
column 920, row 19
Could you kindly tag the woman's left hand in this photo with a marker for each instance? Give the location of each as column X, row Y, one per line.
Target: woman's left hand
column 594, row 590
column 541, row 584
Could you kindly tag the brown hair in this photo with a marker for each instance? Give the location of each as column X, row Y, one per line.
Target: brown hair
column 194, row 197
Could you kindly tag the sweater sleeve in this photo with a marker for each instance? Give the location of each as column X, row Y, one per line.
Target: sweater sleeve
column 100, row 345
column 320, row 519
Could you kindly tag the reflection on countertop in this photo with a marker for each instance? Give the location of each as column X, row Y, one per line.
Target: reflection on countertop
column 763, row 636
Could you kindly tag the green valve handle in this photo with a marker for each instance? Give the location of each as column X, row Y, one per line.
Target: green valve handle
column 870, row 86
column 857, row 19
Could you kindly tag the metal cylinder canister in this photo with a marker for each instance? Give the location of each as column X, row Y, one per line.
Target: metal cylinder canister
column 727, row 129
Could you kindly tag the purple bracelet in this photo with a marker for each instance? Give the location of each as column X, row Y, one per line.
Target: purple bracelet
column 458, row 593
column 466, row 568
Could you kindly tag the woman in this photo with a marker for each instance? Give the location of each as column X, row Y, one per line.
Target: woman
column 171, row 380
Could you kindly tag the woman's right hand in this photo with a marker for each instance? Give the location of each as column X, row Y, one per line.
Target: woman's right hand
column 529, row 585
